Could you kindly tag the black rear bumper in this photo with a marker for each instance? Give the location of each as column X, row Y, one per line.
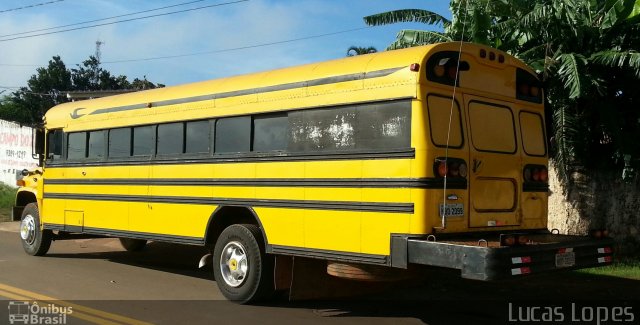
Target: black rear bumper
column 493, row 263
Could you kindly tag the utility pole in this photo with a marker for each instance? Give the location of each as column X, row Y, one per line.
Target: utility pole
column 97, row 55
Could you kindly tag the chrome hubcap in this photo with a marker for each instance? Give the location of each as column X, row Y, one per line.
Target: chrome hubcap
column 28, row 229
column 234, row 265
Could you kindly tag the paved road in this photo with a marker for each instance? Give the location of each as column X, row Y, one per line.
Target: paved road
column 161, row 285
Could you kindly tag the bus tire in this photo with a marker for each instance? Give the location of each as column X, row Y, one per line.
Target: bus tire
column 241, row 268
column 35, row 240
column 133, row 245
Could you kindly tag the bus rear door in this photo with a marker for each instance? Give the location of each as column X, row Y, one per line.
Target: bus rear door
column 494, row 163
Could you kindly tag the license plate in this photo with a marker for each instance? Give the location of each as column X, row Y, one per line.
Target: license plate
column 452, row 210
column 567, row 259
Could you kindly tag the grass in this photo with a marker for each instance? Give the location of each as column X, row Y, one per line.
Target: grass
column 628, row 269
column 7, row 197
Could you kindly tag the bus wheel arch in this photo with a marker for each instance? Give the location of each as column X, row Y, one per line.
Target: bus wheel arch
column 22, row 199
column 225, row 216
column 25, row 197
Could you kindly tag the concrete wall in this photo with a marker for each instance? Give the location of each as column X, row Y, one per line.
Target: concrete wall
column 15, row 151
column 597, row 200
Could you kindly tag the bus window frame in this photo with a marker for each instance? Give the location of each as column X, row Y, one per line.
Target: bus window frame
column 62, row 156
column 544, row 133
column 513, row 125
column 462, row 134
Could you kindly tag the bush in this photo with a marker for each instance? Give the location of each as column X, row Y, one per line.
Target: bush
column 7, row 196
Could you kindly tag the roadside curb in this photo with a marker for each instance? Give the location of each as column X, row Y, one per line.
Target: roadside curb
column 12, row 226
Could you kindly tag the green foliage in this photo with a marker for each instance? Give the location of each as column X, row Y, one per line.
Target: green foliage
column 408, row 38
column 585, row 50
column 356, row 50
column 45, row 88
column 628, row 269
column 7, row 196
column 407, row 15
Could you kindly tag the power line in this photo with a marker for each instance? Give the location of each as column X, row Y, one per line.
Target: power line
column 31, row 6
column 101, row 19
column 236, row 48
column 20, row 89
column 124, row 20
column 212, row 51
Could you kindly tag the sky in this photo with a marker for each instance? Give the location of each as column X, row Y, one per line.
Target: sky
column 231, row 32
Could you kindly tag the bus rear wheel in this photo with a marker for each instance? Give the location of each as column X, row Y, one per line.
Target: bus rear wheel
column 35, row 240
column 241, row 268
column 133, row 245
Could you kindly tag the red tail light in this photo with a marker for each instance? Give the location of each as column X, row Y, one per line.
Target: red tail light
column 535, row 173
column 451, row 167
column 442, row 169
column 544, row 175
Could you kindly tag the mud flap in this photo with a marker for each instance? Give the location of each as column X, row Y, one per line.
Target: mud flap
column 309, row 280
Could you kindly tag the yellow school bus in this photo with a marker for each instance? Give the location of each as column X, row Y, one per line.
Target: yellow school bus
column 433, row 155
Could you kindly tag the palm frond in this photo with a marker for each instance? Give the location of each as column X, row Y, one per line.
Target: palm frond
column 618, row 12
column 409, row 38
column 564, row 138
column 569, row 72
column 539, row 13
column 406, row 15
column 621, row 59
column 480, row 24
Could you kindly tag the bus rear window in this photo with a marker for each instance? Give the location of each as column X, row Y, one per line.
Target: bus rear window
column 492, row 128
column 532, row 133
column 440, row 112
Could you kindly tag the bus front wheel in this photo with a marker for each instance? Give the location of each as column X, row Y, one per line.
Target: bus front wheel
column 241, row 268
column 35, row 240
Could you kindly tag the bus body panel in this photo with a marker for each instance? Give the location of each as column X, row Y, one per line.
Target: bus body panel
column 351, row 202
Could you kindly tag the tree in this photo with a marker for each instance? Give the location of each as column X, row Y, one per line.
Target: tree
column 45, row 88
column 586, row 52
column 356, row 50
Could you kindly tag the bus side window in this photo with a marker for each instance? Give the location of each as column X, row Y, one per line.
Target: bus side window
column 197, row 137
column 54, row 145
column 120, row 142
column 170, row 138
column 77, row 145
column 270, row 132
column 233, row 134
column 143, row 140
column 96, row 144
column 384, row 125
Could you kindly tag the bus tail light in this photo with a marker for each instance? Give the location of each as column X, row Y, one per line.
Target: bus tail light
column 463, row 169
column 451, row 167
column 442, row 169
column 20, row 183
column 599, row 233
column 535, row 173
column 513, row 239
column 544, row 175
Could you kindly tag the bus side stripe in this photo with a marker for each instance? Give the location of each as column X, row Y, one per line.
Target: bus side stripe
column 242, row 158
column 251, row 91
column 294, row 204
column 128, row 234
column 424, row 183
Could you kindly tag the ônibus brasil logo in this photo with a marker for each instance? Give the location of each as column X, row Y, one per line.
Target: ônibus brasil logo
column 32, row 313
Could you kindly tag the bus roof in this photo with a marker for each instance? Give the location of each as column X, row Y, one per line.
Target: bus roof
column 351, row 72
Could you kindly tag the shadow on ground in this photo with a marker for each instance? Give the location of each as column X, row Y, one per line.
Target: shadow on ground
column 439, row 297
